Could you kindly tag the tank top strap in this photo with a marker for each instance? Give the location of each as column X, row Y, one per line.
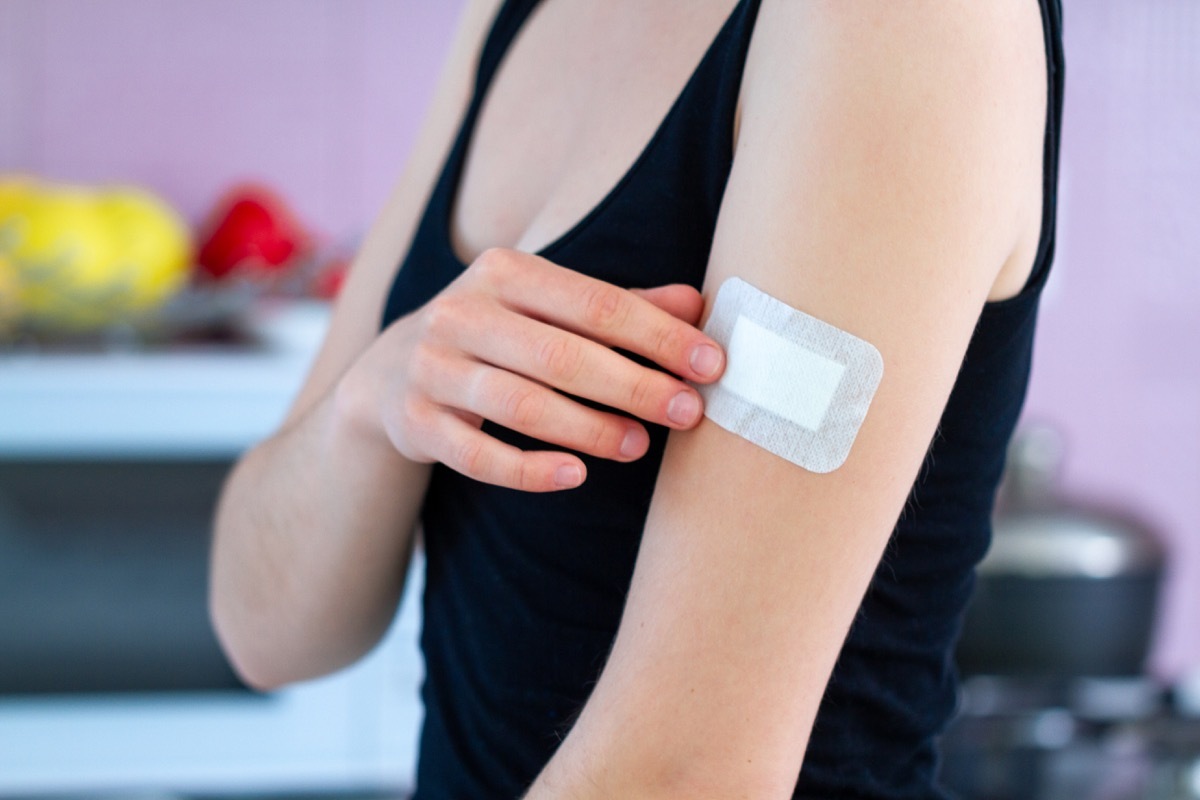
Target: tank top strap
column 1052, row 15
column 698, row 131
column 727, row 80
column 508, row 21
column 1051, row 11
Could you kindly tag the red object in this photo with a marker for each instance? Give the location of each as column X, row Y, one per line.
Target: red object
column 329, row 281
column 251, row 228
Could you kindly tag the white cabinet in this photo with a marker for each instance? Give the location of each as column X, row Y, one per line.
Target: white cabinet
column 185, row 402
column 66, row 414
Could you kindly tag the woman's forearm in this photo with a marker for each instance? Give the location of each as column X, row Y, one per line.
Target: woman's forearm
column 314, row 526
column 312, row 537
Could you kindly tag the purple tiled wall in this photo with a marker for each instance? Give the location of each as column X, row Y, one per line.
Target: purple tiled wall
column 1118, row 358
column 322, row 98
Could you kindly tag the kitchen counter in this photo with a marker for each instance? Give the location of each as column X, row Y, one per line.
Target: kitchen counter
column 76, row 430
column 186, row 401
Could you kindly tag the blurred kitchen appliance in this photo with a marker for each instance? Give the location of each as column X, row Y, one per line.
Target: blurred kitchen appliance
column 1067, row 589
column 1055, row 704
column 1123, row 738
column 110, row 676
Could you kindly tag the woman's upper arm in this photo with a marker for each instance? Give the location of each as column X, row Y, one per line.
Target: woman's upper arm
column 877, row 185
column 357, row 311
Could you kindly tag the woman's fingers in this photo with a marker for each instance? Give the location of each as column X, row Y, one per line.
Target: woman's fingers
column 535, row 410
column 466, row 449
column 578, row 366
column 519, row 340
column 601, row 311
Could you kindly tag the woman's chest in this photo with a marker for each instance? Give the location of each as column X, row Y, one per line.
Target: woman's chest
column 578, row 97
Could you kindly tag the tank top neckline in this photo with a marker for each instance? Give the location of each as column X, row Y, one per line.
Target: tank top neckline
column 458, row 156
column 450, row 186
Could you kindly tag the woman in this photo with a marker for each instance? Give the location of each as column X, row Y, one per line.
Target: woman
column 888, row 168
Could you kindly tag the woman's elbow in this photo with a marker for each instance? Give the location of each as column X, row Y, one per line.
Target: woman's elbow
column 237, row 644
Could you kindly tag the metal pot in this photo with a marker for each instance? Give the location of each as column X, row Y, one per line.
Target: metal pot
column 1066, row 590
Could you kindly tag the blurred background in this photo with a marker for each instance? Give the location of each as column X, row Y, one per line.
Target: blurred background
column 181, row 185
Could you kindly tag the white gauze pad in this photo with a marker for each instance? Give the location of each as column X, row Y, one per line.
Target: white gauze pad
column 793, row 384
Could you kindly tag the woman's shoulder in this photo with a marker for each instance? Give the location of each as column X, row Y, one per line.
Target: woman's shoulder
column 985, row 55
column 903, row 101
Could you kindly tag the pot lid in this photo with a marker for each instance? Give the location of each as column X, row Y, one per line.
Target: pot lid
column 1070, row 543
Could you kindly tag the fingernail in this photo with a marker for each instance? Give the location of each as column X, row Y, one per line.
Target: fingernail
column 567, row 477
column 683, row 408
column 633, row 443
column 705, row 359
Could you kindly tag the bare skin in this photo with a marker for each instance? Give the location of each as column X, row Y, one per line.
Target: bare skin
column 314, row 528
column 497, row 342
column 614, row 67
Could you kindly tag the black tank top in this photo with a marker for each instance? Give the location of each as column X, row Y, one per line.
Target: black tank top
column 524, row 591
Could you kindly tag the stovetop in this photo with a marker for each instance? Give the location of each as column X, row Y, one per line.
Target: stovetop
column 1079, row 739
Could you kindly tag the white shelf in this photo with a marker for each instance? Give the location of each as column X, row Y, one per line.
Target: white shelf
column 356, row 729
column 202, row 402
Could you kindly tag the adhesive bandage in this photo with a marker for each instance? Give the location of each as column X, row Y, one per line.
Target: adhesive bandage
column 793, row 385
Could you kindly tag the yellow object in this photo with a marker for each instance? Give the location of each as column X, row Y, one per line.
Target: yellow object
column 13, row 191
column 84, row 257
column 8, row 295
column 152, row 243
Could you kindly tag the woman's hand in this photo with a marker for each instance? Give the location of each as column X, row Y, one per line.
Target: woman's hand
column 499, row 341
